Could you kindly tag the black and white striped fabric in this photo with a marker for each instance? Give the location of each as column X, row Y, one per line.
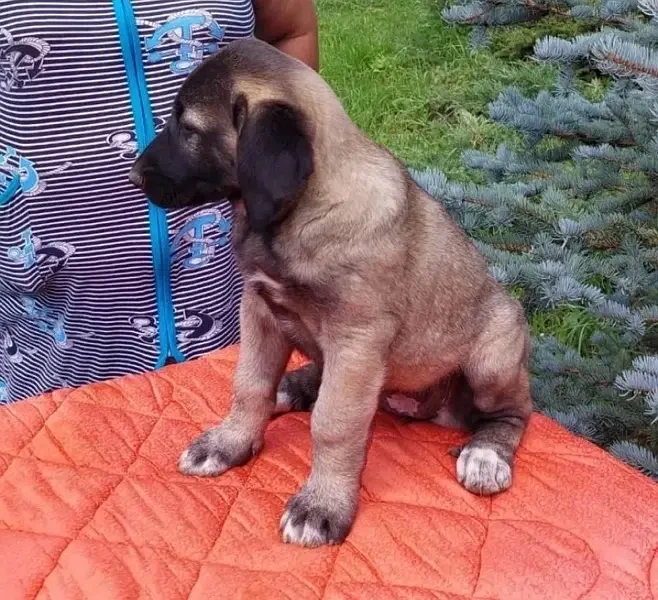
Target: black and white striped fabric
column 95, row 281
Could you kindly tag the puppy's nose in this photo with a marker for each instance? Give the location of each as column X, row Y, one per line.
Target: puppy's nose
column 136, row 177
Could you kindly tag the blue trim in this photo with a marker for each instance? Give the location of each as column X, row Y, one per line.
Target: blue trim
column 11, row 189
column 145, row 129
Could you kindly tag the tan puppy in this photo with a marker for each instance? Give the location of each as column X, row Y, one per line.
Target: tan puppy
column 345, row 258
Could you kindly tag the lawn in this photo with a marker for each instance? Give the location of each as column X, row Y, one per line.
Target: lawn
column 409, row 80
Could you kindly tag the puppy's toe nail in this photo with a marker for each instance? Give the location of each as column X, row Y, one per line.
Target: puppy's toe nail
column 455, row 451
column 284, row 520
column 290, row 533
column 503, row 476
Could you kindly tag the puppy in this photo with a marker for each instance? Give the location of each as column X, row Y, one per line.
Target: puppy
column 346, row 259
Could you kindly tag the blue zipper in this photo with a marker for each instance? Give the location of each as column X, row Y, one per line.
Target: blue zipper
column 145, row 129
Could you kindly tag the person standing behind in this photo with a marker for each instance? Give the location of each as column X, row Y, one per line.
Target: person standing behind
column 95, row 281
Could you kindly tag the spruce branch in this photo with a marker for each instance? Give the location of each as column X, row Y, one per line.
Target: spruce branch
column 638, row 457
column 623, row 58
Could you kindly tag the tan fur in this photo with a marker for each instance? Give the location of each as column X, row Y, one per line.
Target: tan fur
column 372, row 279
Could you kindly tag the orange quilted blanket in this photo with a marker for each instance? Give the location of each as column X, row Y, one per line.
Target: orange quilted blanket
column 92, row 507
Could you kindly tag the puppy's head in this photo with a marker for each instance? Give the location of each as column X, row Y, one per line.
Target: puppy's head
column 236, row 131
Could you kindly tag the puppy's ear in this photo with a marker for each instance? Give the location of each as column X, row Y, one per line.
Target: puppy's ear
column 274, row 160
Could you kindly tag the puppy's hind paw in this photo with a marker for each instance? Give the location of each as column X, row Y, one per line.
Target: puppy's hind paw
column 298, row 390
column 483, row 471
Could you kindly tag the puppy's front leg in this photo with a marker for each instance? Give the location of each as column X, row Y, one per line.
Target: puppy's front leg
column 264, row 354
column 323, row 511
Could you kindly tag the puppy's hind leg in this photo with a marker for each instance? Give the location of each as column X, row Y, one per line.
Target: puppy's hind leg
column 497, row 373
column 298, row 390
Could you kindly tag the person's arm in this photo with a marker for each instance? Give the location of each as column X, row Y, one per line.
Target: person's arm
column 291, row 26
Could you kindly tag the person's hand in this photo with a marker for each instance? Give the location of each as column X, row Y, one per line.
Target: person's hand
column 291, row 26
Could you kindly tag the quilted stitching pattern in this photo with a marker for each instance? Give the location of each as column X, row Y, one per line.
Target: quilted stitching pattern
column 92, row 507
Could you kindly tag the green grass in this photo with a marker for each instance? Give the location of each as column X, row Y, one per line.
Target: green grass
column 572, row 325
column 409, row 81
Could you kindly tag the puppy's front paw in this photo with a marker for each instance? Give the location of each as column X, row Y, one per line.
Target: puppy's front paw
column 216, row 451
column 312, row 520
column 483, row 471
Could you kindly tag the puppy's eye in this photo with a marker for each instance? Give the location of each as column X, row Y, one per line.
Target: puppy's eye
column 188, row 132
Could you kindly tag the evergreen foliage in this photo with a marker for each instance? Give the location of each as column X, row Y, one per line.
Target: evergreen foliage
column 569, row 220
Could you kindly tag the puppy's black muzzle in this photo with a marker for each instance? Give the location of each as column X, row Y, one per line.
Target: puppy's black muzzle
column 160, row 172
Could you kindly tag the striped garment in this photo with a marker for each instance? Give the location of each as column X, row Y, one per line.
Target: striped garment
column 95, row 281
